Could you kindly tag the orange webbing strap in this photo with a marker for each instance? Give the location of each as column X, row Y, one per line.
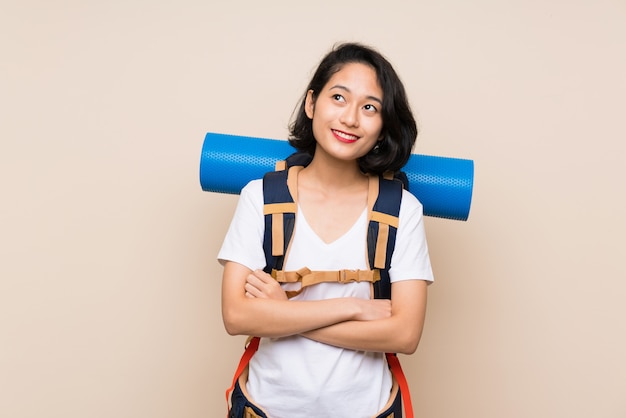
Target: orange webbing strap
column 372, row 194
column 277, row 210
column 280, row 165
column 251, row 348
column 380, row 256
column 396, row 369
column 385, row 219
column 307, row 277
column 384, row 222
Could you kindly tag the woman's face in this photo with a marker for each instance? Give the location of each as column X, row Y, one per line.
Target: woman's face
column 347, row 119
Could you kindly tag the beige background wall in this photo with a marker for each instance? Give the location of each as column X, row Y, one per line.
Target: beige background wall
column 109, row 291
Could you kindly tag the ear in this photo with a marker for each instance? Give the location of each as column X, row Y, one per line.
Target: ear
column 309, row 104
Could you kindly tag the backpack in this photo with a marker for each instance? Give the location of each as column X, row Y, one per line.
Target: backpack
column 384, row 199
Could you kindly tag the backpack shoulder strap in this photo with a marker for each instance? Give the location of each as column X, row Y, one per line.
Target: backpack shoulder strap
column 384, row 199
column 280, row 206
column 280, row 197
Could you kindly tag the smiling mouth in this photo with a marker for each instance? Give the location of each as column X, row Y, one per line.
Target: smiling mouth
column 344, row 137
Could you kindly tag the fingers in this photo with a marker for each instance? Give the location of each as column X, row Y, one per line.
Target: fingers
column 254, row 288
column 261, row 285
column 254, row 281
column 263, row 276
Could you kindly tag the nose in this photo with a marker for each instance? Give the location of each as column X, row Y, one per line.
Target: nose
column 350, row 116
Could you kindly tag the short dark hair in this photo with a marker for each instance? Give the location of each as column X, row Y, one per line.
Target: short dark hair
column 399, row 127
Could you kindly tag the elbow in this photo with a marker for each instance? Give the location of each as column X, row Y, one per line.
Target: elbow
column 408, row 349
column 231, row 329
column 408, row 343
column 232, row 323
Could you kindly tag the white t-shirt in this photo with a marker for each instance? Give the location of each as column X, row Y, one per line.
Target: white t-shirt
column 294, row 377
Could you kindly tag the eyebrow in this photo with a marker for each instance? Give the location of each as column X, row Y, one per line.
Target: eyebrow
column 341, row 87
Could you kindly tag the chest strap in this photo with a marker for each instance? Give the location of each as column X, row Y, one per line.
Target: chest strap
column 308, row 278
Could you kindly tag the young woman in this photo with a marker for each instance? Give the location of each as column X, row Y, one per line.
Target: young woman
column 322, row 351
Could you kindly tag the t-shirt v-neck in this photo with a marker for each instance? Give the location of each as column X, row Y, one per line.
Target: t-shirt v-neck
column 301, row 220
column 309, row 250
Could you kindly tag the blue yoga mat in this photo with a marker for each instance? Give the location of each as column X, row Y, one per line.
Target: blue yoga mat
column 443, row 185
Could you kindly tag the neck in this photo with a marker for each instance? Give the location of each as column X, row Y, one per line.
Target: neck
column 334, row 174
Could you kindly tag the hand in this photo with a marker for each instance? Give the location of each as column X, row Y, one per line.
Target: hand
column 373, row 309
column 259, row 284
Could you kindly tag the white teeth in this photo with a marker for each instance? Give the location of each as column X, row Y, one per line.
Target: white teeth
column 346, row 136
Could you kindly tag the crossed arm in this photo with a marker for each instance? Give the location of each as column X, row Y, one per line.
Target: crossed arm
column 253, row 303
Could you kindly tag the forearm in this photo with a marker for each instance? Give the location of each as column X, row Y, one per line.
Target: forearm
column 386, row 335
column 254, row 304
column 398, row 333
column 280, row 318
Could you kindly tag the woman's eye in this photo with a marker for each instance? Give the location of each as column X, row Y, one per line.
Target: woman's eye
column 370, row 108
column 338, row 97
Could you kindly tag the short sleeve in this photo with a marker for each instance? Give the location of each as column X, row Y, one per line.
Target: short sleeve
column 243, row 243
column 410, row 258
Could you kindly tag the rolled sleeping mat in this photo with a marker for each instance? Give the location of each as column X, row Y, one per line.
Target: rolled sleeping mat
column 443, row 185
